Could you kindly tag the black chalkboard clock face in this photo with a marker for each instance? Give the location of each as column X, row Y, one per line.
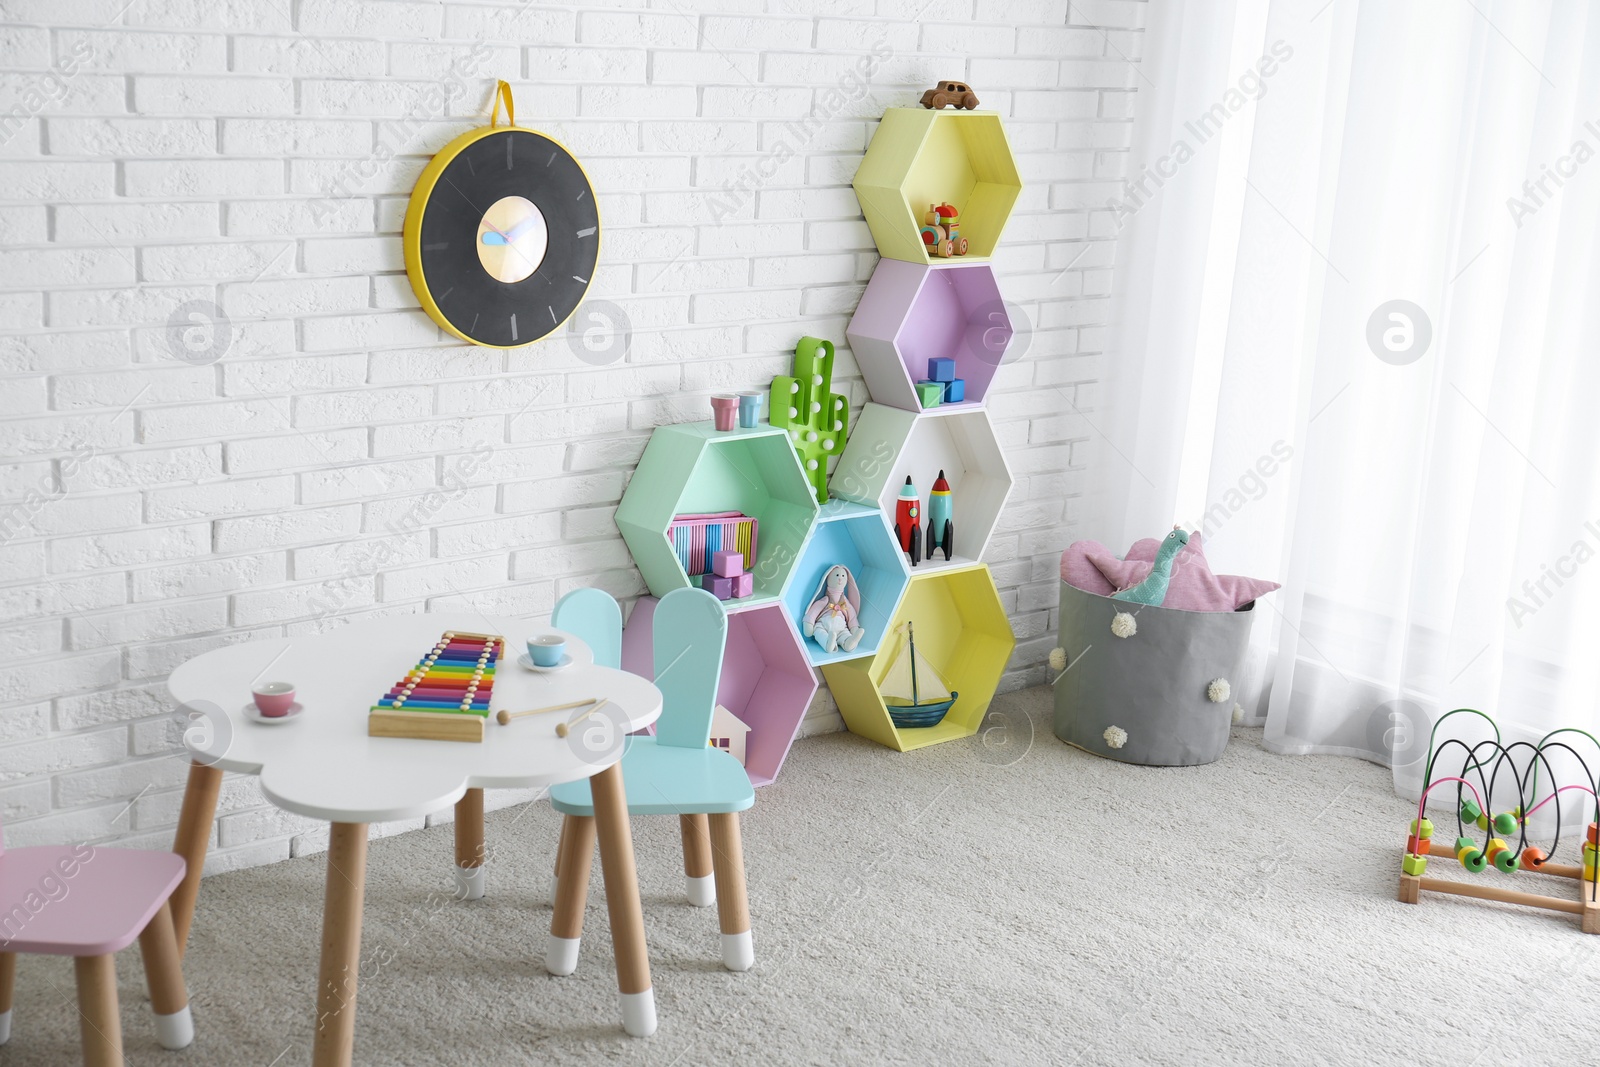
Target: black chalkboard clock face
column 502, row 235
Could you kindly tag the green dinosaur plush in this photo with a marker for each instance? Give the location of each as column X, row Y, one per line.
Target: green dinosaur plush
column 815, row 416
column 1153, row 590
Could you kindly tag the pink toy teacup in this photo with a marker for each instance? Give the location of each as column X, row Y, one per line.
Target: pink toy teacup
column 725, row 410
column 273, row 699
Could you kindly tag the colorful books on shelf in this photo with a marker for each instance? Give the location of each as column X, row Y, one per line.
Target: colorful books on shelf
column 698, row 538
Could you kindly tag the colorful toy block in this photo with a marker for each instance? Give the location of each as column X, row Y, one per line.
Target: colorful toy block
column 912, row 316
column 816, row 418
column 941, row 369
column 718, row 586
column 1414, row 865
column 930, row 394
column 743, row 585
column 727, row 563
column 955, row 391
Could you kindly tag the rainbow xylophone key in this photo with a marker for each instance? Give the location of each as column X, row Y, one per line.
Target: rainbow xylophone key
column 456, row 675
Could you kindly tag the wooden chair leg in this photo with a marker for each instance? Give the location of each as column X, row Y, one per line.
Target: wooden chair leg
column 333, row 1044
column 622, row 901
column 574, row 858
column 164, row 972
column 561, row 852
column 698, row 880
column 199, row 811
column 733, row 904
column 469, row 846
column 98, row 1018
column 8, row 985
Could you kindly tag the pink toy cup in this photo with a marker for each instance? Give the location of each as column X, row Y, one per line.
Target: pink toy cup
column 725, row 410
column 273, row 699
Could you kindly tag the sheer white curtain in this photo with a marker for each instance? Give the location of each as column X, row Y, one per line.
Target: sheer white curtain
column 1299, row 166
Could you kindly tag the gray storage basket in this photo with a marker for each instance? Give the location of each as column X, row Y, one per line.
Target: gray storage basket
column 1152, row 685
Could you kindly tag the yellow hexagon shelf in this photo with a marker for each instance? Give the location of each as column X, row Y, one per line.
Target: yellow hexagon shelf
column 693, row 468
column 920, row 157
column 962, row 634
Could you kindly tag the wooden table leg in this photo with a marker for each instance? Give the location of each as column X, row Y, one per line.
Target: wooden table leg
column 98, row 1019
column 572, row 894
column 334, row 1043
column 8, row 985
column 469, row 846
column 622, row 901
column 162, row 970
column 698, row 880
column 194, row 835
column 733, row 904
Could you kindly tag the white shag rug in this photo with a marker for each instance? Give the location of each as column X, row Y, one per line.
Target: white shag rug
column 1005, row 899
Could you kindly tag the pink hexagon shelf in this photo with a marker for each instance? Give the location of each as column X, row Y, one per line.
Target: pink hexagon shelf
column 767, row 680
column 912, row 313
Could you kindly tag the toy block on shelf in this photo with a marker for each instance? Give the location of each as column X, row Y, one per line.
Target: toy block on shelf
column 930, row 394
column 815, row 417
column 940, row 320
column 718, row 586
column 919, row 157
column 955, row 391
column 961, row 632
column 859, row 537
column 890, row 444
column 766, row 682
column 692, row 468
column 743, row 585
column 727, row 563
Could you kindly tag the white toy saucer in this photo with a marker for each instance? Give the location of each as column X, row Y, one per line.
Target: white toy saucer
column 527, row 664
column 253, row 713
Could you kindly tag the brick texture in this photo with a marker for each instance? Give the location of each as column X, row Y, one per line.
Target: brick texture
column 224, row 417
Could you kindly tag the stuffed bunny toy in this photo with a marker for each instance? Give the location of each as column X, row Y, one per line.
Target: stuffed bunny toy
column 834, row 618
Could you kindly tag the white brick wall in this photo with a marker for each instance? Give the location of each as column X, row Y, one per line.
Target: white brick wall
column 342, row 458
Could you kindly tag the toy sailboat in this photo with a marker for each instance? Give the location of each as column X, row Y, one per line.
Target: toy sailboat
column 913, row 692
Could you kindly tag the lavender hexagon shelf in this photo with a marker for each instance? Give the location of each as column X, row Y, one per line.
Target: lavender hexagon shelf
column 858, row 536
column 912, row 313
column 766, row 682
column 695, row 468
column 888, row 444
column 962, row 635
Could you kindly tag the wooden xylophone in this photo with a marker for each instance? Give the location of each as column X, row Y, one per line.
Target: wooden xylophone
column 445, row 697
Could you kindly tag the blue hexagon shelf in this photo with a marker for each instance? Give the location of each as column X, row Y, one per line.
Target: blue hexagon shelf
column 858, row 536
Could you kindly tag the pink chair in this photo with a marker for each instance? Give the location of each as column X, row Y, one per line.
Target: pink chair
column 90, row 903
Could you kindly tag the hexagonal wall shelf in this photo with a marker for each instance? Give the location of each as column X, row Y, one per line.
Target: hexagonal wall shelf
column 858, row 536
column 888, row 444
column 912, row 313
column 920, row 157
column 962, row 634
column 766, row 681
column 693, row 468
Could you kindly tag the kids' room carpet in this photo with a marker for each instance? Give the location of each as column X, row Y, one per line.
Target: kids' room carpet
column 1004, row 899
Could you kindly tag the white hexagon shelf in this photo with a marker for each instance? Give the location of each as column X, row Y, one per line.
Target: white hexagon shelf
column 887, row 444
column 911, row 314
column 694, row 468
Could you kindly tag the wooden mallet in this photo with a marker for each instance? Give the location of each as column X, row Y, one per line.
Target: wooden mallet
column 505, row 717
column 565, row 728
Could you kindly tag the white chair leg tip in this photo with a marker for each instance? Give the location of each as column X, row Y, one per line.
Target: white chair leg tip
column 175, row 1031
column 561, row 955
column 470, row 883
column 702, row 891
column 738, row 951
column 639, row 1013
column 5, row 1026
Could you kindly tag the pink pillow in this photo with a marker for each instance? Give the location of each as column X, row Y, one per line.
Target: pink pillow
column 1090, row 566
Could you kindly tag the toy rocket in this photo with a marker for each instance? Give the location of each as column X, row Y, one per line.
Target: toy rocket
column 941, row 531
column 906, row 527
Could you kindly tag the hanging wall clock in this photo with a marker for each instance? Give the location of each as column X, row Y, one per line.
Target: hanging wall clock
column 502, row 233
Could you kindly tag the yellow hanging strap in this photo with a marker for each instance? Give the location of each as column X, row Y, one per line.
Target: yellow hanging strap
column 503, row 96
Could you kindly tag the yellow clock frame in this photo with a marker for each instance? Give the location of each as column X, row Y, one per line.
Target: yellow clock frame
column 418, row 256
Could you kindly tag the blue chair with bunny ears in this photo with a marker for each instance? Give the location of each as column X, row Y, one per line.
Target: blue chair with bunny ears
column 593, row 616
column 676, row 772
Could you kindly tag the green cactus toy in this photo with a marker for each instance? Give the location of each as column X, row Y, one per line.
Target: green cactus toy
column 815, row 416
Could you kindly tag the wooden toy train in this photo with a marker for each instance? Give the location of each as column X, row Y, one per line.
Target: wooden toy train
column 941, row 231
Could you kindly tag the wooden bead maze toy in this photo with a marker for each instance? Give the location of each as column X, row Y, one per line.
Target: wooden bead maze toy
column 1506, row 846
column 445, row 697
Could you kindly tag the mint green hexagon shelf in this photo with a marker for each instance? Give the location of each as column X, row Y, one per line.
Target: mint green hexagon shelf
column 695, row 468
column 858, row 536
